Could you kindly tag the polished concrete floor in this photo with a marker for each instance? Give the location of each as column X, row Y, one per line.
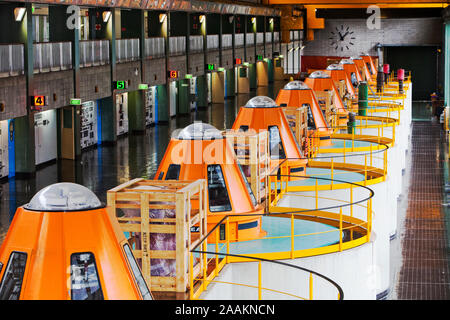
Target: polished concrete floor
column 420, row 253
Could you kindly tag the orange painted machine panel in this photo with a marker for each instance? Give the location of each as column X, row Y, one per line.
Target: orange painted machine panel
column 327, row 84
column 49, row 240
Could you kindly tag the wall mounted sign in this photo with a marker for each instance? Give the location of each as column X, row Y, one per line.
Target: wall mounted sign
column 173, row 74
column 120, row 85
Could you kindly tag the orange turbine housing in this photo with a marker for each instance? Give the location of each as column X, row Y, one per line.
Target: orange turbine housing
column 200, row 151
column 262, row 113
column 337, row 73
column 296, row 94
column 362, row 67
column 63, row 245
column 352, row 71
column 321, row 81
column 369, row 64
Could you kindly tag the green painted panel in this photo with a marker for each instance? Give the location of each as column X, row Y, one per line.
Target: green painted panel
column 183, row 96
column 163, row 107
column 108, row 119
column 136, row 111
column 252, row 75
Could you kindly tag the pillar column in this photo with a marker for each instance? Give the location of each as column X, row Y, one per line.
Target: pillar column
column 107, row 105
column 24, row 126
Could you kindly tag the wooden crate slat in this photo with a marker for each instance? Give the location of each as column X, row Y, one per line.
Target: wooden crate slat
column 252, row 151
column 181, row 195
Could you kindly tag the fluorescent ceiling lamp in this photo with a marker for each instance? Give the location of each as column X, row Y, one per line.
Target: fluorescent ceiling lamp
column 202, row 18
column 19, row 13
column 106, row 15
column 162, row 17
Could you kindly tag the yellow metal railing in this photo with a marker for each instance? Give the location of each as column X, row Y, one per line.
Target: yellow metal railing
column 200, row 284
column 351, row 219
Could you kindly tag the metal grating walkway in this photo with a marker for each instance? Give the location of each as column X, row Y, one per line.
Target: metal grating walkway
column 424, row 274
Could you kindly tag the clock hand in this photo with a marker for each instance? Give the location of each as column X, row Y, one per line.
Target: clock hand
column 345, row 35
column 340, row 36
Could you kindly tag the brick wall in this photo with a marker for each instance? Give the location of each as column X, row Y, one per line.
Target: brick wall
column 93, row 77
column 155, row 73
column 13, row 95
column 58, row 86
column 213, row 57
column 178, row 63
column 240, row 53
column 251, row 58
column 196, row 64
column 417, row 31
column 227, row 59
column 129, row 71
column 260, row 49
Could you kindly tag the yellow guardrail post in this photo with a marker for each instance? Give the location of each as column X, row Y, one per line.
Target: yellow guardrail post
column 344, row 149
column 259, row 280
column 340, row 229
column 368, row 220
column 191, row 275
column 317, row 194
column 292, row 236
column 310, row 286
column 393, row 133
column 353, row 140
column 205, row 265
column 365, row 169
column 216, row 269
column 351, row 200
column 378, row 135
column 332, row 172
column 227, row 225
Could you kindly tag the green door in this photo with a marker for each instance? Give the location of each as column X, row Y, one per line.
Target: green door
column 183, row 96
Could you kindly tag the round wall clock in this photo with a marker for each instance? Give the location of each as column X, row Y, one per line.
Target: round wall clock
column 342, row 38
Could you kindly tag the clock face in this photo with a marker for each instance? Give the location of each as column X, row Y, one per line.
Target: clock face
column 341, row 38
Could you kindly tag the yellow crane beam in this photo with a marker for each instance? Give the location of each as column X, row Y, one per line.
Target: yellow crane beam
column 347, row 4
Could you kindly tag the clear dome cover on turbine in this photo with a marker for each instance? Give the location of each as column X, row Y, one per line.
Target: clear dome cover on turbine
column 335, row 66
column 64, row 196
column 296, row 85
column 261, row 102
column 346, row 61
column 199, row 131
column 319, row 74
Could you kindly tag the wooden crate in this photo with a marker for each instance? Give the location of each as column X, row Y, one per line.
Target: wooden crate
column 340, row 85
column 252, row 152
column 326, row 103
column 297, row 118
column 185, row 202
